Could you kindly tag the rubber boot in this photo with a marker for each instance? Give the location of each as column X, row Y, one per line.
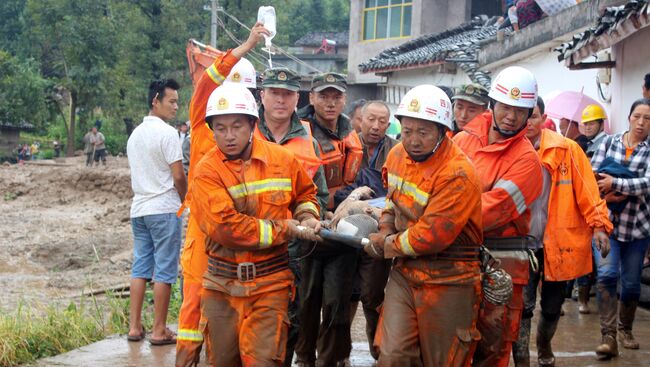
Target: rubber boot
column 545, row 331
column 607, row 307
column 583, row 299
column 520, row 349
column 625, row 319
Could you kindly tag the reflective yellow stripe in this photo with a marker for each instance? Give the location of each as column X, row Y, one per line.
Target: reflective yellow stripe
column 405, row 245
column 258, row 187
column 308, row 206
column 214, row 74
column 515, row 194
column 266, row 234
column 189, row 335
column 408, row 188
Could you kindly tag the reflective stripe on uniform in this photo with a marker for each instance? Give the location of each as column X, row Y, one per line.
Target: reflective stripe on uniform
column 515, row 194
column 189, row 335
column 308, row 206
column 408, row 188
column 266, row 234
column 258, row 187
column 405, row 245
column 214, row 74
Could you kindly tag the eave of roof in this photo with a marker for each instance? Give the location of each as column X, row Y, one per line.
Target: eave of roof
column 616, row 24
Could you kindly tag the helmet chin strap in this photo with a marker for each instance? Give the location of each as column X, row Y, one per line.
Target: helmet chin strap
column 508, row 134
column 423, row 157
column 238, row 156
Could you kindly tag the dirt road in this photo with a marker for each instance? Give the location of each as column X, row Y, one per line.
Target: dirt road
column 64, row 229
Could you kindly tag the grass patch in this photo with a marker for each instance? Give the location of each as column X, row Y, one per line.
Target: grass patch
column 32, row 332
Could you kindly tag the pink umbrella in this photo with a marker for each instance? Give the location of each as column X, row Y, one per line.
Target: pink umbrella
column 569, row 105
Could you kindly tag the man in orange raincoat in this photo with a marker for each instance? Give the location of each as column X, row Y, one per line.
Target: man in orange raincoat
column 511, row 179
column 194, row 260
column 244, row 195
column 431, row 227
column 565, row 218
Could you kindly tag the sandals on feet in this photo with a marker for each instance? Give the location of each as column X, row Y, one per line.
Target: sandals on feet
column 137, row 338
column 170, row 338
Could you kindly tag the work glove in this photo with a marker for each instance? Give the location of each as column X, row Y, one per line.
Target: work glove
column 375, row 248
column 361, row 193
column 601, row 240
column 305, row 233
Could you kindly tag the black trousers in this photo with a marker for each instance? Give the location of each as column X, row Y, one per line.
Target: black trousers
column 326, row 284
column 552, row 294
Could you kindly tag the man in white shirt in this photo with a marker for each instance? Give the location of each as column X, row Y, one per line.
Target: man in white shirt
column 159, row 186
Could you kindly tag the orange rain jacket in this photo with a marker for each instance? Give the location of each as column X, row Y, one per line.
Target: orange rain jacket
column 433, row 204
column 575, row 208
column 241, row 207
column 194, row 260
column 511, row 177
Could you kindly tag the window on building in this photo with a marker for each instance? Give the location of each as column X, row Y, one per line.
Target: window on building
column 386, row 19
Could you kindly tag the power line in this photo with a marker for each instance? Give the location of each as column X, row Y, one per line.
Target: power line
column 276, row 47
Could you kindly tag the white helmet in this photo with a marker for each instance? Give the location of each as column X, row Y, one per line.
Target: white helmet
column 426, row 102
column 515, row 86
column 242, row 73
column 230, row 99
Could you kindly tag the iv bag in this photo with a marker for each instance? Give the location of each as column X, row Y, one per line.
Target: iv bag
column 266, row 15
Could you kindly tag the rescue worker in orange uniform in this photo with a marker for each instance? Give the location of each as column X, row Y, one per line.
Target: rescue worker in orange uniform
column 511, row 179
column 194, row 260
column 432, row 228
column 280, row 124
column 566, row 217
column 328, row 271
column 244, row 195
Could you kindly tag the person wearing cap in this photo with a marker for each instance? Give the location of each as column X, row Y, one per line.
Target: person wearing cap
column 511, row 179
column 469, row 101
column 249, row 196
column 593, row 120
column 328, row 271
column 432, row 229
column 230, row 68
column 566, row 218
column 280, row 124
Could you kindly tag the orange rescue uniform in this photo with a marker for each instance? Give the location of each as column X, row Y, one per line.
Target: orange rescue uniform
column 511, row 179
column 576, row 206
column 194, row 260
column 241, row 207
column 433, row 296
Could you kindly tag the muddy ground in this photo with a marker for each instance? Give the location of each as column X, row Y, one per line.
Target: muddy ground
column 64, row 229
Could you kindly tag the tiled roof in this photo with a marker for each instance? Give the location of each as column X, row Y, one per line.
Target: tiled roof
column 315, row 39
column 616, row 23
column 459, row 45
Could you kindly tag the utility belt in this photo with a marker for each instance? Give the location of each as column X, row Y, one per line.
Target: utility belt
column 247, row 271
column 516, row 243
column 451, row 253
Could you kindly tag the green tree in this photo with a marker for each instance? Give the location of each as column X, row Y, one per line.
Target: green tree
column 74, row 41
column 22, row 92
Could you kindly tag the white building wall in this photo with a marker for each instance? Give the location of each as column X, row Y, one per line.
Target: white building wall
column 632, row 57
column 553, row 76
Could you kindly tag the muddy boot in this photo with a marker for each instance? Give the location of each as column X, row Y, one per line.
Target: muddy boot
column 583, row 299
column 625, row 319
column 545, row 331
column 607, row 307
column 520, row 349
column 608, row 349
